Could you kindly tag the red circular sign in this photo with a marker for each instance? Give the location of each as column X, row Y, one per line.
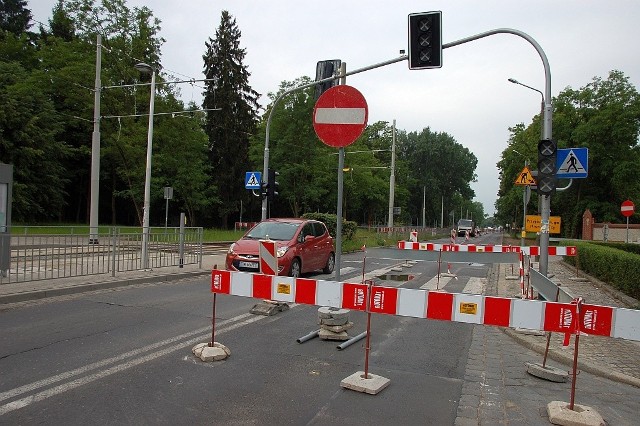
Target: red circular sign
column 340, row 116
column 627, row 208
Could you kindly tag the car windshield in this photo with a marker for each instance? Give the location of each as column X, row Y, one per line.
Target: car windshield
column 283, row 231
column 465, row 222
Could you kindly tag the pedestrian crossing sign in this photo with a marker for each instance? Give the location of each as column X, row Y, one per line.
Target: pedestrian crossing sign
column 572, row 163
column 253, row 180
column 525, row 177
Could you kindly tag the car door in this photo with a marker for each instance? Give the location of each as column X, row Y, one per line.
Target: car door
column 324, row 244
column 306, row 249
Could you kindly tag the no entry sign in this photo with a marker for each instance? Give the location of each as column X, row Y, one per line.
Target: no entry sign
column 340, row 116
column 627, row 208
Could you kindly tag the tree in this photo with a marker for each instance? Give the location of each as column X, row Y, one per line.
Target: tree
column 439, row 166
column 28, row 129
column 603, row 116
column 14, row 16
column 230, row 128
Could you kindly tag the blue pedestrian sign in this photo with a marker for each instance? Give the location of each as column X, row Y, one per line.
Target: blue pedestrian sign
column 572, row 163
column 253, row 180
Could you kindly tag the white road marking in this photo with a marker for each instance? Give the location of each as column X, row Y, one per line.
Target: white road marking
column 14, row 405
column 475, row 285
column 433, row 284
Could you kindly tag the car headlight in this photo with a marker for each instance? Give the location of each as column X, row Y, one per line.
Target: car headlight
column 231, row 249
column 282, row 251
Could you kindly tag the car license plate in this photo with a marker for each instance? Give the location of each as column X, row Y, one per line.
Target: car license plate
column 252, row 265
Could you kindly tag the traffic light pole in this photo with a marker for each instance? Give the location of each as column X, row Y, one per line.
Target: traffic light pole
column 304, row 86
column 547, row 112
column 546, row 123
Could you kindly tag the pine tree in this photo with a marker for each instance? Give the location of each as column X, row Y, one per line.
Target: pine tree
column 14, row 16
column 229, row 128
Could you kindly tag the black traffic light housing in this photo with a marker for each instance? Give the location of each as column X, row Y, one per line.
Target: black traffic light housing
column 272, row 186
column 547, row 155
column 425, row 40
column 326, row 69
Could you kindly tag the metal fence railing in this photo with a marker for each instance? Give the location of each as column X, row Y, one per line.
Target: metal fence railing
column 43, row 256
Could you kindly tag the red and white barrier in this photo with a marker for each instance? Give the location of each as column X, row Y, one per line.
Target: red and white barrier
column 268, row 257
column 438, row 305
column 472, row 248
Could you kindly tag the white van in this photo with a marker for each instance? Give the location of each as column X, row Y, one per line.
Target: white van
column 464, row 226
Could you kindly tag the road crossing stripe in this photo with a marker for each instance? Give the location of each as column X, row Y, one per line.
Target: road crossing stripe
column 433, row 283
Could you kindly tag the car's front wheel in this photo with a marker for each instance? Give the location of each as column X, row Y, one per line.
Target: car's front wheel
column 295, row 268
column 331, row 264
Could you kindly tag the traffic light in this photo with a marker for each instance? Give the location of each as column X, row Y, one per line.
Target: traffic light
column 326, row 69
column 272, row 186
column 425, row 40
column 547, row 153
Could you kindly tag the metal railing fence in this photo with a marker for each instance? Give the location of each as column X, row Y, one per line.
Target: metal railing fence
column 37, row 256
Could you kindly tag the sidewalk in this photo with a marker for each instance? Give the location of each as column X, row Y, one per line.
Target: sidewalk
column 33, row 290
column 615, row 359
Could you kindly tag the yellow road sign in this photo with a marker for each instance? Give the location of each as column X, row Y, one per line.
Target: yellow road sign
column 533, row 222
column 525, row 177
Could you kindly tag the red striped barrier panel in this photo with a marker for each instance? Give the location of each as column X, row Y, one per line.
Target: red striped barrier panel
column 268, row 257
column 438, row 305
column 472, row 248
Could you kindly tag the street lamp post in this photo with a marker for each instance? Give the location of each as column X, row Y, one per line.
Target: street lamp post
column 95, row 149
column 148, row 69
column 544, row 202
column 514, row 81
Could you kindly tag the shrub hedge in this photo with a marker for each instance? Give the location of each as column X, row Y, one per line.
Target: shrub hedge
column 331, row 220
column 609, row 263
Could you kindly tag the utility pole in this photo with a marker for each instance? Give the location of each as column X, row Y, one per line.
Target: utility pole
column 95, row 149
column 392, row 179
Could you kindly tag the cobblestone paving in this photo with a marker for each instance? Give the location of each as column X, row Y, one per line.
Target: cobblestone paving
column 498, row 391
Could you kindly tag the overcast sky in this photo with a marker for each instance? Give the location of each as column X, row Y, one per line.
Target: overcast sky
column 469, row 97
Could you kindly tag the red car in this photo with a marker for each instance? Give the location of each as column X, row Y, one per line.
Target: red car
column 303, row 246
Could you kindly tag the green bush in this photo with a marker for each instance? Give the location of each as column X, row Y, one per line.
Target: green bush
column 348, row 227
column 616, row 267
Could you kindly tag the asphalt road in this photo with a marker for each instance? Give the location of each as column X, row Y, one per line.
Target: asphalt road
column 124, row 357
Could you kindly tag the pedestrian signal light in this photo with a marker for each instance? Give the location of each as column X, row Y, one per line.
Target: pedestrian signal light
column 547, row 153
column 272, row 186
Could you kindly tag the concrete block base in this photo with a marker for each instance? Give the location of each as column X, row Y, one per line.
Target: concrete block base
column 512, row 277
column 551, row 374
column 372, row 385
column 207, row 353
column 581, row 415
column 269, row 308
column 528, row 332
column 330, row 335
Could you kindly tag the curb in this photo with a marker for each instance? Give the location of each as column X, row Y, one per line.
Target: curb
column 568, row 360
column 83, row 288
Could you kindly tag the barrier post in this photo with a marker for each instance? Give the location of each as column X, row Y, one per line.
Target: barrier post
column 211, row 351
column 575, row 355
column 546, row 349
column 213, row 321
column 439, row 264
column 213, row 317
column 521, row 274
column 367, row 347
